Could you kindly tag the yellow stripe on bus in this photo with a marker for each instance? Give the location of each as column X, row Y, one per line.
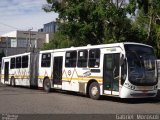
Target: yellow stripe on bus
column 97, row 78
column 81, row 79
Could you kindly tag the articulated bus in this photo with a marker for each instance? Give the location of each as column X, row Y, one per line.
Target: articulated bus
column 125, row 70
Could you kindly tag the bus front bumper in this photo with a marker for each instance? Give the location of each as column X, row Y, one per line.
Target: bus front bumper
column 128, row 93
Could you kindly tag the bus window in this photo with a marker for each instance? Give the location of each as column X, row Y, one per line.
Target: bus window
column 71, row 58
column 18, row 62
column 46, row 60
column 94, row 58
column 82, row 58
column 24, row 61
column 12, row 65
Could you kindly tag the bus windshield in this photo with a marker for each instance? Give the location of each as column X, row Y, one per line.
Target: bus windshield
column 141, row 65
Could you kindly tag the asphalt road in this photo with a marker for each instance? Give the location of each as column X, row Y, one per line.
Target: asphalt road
column 18, row 100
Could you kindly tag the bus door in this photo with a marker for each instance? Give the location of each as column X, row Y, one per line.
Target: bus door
column 6, row 71
column 57, row 70
column 111, row 73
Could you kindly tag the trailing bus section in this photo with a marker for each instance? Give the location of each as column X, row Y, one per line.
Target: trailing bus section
column 125, row 70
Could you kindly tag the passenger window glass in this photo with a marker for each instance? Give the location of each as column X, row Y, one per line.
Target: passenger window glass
column 82, row 58
column 109, row 63
column 46, row 60
column 18, row 62
column 13, row 63
column 71, row 58
column 94, row 58
column 24, row 61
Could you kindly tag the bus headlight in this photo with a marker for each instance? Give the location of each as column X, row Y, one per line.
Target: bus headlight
column 127, row 85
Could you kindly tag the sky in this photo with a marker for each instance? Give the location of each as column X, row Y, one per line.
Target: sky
column 23, row 15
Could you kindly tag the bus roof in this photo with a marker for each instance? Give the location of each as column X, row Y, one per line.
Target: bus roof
column 17, row 55
column 93, row 46
column 83, row 47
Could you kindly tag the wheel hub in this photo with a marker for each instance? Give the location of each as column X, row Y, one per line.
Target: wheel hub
column 94, row 91
column 47, row 84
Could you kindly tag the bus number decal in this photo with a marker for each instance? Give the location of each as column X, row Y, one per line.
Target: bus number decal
column 88, row 73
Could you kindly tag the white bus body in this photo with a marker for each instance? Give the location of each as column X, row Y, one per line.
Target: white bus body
column 158, row 66
column 125, row 70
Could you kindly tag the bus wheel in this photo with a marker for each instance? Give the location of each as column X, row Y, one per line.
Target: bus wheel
column 47, row 85
column 94, row 91
column 12, row 81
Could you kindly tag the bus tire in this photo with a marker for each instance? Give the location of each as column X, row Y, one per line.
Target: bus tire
column 12, row 83
column 47, row 85
column 94, row 91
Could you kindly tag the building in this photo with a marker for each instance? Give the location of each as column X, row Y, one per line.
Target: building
column 50, row 27
column 17, row 42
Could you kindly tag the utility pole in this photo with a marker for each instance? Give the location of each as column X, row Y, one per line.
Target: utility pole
column 6, row 45
column 29, row 42
column 26, row 42
column 29, row 46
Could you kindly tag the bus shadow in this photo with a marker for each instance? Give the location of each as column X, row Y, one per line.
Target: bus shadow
column 133, row 100
column 71, row 93
column 142, row 100
column 112, row 99
column 9, row 90
column 103, row 98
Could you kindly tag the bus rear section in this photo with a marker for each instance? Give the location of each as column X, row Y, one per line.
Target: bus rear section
column 20, row 70
column 5, row 71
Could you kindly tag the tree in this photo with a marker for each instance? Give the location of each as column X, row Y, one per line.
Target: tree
column 59, row 41
column 148, row 21
column 91, row 21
